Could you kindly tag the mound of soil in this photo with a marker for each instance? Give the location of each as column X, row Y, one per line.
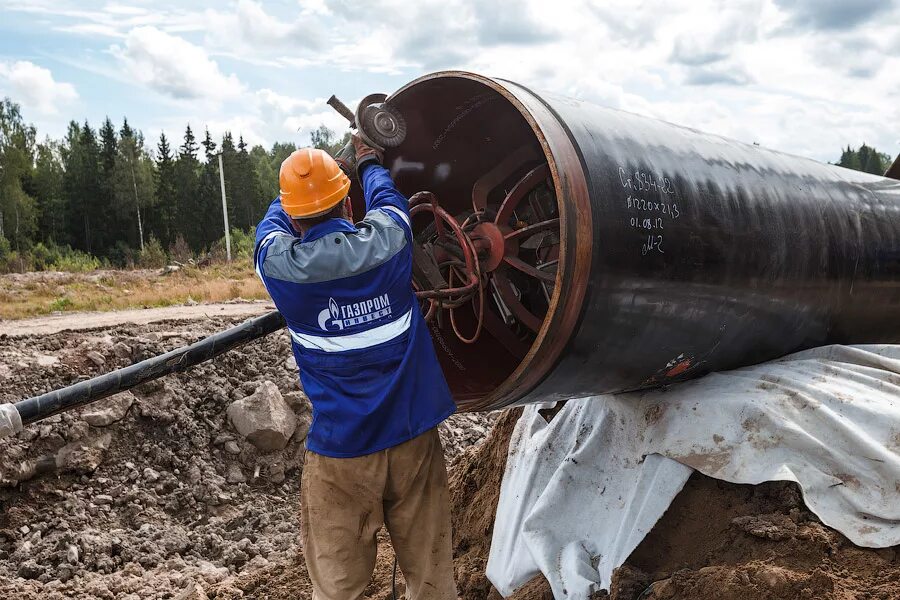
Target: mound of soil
column 743, row 542
column 169, row 501
column 159, row 493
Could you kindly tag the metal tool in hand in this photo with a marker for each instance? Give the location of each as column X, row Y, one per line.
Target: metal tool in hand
column 379, row 124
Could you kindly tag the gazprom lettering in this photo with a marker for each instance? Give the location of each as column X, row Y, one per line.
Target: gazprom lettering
column 337, row 317
column 371, row 305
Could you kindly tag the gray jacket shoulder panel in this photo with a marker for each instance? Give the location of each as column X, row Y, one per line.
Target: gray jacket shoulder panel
column 335, row 255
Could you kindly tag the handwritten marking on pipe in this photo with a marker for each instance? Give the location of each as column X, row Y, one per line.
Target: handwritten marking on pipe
column 646, row 224
column 653, row 244
column 643, row 204
column 643, row 181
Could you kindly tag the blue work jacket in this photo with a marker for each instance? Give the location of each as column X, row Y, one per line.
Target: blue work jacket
column 365, row 357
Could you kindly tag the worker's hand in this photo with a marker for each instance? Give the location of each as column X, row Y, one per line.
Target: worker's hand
column 346, row 159
column 364, row 152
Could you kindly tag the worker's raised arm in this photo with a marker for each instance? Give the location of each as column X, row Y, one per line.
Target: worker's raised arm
column 274, row 224
column 379, row 190
column 381, row 193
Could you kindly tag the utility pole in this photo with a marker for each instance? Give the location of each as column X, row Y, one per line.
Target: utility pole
column 224, row 210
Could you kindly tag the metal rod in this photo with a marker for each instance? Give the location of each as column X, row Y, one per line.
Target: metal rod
column 176, row 361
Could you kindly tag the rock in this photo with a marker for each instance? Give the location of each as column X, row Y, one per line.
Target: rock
column 222, row 438
column 234, row 474
column 83, row 456
column 298, row 401
column 72, row 554
column 30, row 569
column 302, row 428
column 194, row 591
column 231, row 447
column 210, row 573
column 276, row 473
column 109, row 411
column 46, row 360
column 194, row 474
column 101, row 499
column 77, row 431
column 24, row 551
column 151, row 475
column 264, row 418
column 65, row 572
column 122, row 350
column 158, row 405
column 290, row 364
column 96, row 358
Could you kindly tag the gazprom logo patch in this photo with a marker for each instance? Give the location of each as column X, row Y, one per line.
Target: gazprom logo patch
column 338, row 317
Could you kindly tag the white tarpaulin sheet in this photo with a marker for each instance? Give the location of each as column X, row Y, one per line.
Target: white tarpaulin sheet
column 581, row 492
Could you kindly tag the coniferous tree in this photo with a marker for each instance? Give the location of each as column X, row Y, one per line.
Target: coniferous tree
column 187, row 174
column 82, row 187
column 246, row 189
column 209, row 207
column 164, row 220
column 105, row 238
column 866, row 159
column 49, row 185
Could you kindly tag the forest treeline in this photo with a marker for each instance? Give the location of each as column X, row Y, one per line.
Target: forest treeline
column 107, row 196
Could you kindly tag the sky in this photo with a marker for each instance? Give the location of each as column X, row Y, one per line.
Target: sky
column 807, row 77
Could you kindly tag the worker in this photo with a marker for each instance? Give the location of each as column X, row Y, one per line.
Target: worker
column 367, row 363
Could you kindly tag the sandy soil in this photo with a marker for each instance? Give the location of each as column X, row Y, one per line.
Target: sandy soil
column 77, row 321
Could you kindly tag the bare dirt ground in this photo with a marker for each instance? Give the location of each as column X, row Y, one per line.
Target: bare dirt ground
column 156, row 495
column 150, row 493
column 718, row 540
column 78, row 321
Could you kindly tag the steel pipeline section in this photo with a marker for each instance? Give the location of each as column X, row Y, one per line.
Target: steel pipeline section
column 563, row 249
column 619, row 252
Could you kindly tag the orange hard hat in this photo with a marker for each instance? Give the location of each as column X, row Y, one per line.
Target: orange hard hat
column 311, row 183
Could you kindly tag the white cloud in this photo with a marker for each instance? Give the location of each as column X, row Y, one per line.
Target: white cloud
column 34, row 87
column 249, row 28
column 173, row 66
column 805, row 76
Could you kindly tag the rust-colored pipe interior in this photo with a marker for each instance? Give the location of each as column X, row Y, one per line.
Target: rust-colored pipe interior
column 471, row 145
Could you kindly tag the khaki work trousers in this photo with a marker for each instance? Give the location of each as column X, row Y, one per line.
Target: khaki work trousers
column 345, row 501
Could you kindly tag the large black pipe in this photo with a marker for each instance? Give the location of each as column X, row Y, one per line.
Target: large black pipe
column 84, row 392
column 682, row 252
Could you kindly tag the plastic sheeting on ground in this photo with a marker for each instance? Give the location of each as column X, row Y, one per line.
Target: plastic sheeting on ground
column 10, row 420
column 581, row 492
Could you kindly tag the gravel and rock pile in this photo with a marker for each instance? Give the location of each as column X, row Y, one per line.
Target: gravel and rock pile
column 163, row 491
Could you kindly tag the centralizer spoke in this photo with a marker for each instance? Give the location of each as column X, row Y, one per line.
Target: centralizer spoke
column 519, row 191
column 529, row 230
column 520, row 265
